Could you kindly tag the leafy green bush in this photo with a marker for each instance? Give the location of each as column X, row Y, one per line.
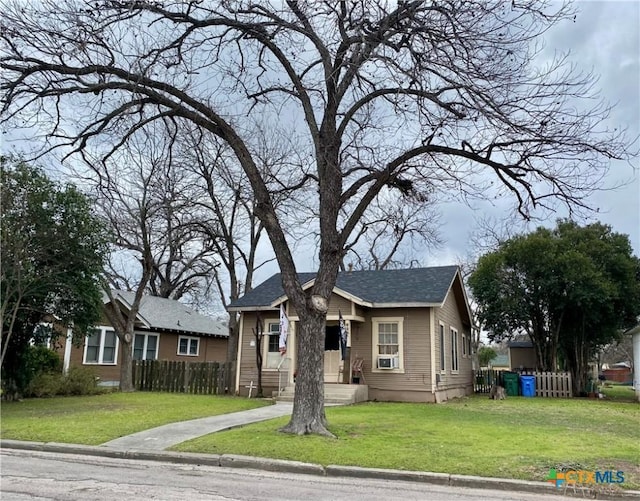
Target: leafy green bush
column 41, row 359
column 31, row 362
column 45, row 384
column 80, row 381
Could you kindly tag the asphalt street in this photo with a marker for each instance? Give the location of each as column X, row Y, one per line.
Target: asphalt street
column 34, row 475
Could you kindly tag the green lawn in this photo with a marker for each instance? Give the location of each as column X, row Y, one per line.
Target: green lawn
column 515, row 438
column 97, row 419
column 616, row 391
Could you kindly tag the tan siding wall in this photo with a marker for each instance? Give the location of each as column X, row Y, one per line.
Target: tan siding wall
column 210, row 349
column 400, row 395
column 339, row 304
column 524, row 358
column 450, row 315
column 216, row 349
column 248, row 367
column 288, row 307
column 416, row 353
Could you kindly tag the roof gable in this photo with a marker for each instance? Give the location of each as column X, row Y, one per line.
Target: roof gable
column 374, row 288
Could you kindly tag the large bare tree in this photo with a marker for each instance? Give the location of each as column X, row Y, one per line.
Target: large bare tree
column 410, row 95
column 148, row 198
column 225, row 218
column 395, row 231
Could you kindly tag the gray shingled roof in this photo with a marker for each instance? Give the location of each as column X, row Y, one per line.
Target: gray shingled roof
column 520, row 344
column 416, row 286
column 171, row 315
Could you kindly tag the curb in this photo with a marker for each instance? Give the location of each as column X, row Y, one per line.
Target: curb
column 281, row 465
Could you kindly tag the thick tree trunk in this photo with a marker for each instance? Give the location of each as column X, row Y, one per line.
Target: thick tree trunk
column 126, row 364
column 577, row 354
column 308, row 406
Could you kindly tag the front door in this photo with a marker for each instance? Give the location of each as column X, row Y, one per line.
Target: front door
column 332, row 360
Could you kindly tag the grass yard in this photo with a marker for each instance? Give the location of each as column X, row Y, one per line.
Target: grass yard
column 97, row 419
column 619, row 392
column 515, row 438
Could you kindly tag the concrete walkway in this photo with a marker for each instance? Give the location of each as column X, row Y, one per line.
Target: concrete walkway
column 168, row 435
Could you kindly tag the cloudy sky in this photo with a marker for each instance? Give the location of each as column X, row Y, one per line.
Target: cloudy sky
column 605, row 38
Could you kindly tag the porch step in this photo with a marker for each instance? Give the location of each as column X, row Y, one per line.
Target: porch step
column 344, row 394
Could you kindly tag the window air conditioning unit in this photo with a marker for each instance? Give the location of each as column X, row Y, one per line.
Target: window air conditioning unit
column 387, row 362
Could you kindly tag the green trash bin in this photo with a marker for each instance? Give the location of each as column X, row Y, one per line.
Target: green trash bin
column 510, row 383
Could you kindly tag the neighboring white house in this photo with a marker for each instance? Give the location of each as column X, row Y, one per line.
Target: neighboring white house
column 635, row 332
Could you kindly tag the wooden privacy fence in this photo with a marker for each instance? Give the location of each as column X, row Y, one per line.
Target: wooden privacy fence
column 552, row 384
column 205, row 378
column 548, row 384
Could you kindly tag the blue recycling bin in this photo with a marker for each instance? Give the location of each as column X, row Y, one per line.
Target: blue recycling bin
column 528, row 386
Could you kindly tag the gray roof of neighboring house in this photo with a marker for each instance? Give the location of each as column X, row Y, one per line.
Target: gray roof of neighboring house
column 520, row 344
column 500, row 361
column 416, row 286
column 170, row 315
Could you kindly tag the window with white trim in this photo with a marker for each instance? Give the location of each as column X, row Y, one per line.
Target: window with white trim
column 442, row 349
column 145, row 347
column 101, row 347
column 454, row 350
column 387, row 344
column 188, row 346
column 272, row 356
column 43, row 335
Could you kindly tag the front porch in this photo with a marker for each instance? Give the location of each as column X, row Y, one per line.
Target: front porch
column 343, row 394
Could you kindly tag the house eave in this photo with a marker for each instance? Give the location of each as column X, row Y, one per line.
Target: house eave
column 406, row 305
column 367, row 304
column 240, row 309
column 336, row 290
column 458, row 275
column 181, row 332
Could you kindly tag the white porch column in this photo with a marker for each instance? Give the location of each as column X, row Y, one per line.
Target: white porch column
column 239, row 353
column 291, row 351
column 66, row 361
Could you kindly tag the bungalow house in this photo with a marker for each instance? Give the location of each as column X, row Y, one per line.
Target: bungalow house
column 408, row 334
column 164, row 330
